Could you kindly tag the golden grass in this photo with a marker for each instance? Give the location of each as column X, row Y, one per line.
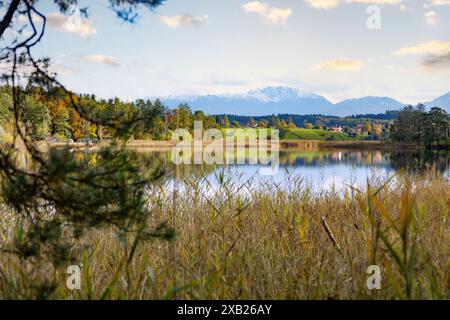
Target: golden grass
column 160, row 145
column 265, row 242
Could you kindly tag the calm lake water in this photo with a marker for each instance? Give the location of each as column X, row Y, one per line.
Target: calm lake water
column 322, row 169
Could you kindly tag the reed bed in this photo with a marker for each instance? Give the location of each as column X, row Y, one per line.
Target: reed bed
column 272, row 241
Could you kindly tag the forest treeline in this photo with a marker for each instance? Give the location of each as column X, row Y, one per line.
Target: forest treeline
column 318, row 119
column 50, row 113
column 416, row 125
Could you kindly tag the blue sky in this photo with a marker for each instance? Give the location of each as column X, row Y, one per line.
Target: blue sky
column 212, row 46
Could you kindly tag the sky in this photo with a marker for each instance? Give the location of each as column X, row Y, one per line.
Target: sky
column 232, row 46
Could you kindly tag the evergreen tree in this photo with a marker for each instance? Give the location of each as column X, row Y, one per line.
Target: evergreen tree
column 57, row 196
column 37, row 116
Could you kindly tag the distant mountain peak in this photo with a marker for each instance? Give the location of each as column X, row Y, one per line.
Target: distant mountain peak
column 366, row 105
column 279, row 93
column 441, row 102
column 286, row 99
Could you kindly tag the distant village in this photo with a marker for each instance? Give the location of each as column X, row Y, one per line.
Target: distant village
column 368, row 127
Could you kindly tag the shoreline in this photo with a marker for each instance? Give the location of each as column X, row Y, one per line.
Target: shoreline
column 160, row 145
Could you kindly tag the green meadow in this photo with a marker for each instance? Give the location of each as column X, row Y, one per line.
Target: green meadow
column 314, row 134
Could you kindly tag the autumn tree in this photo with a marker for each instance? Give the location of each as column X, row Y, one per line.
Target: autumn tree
column 210, row 123
column 60, row 114
column 57, row 196
column 291, row 124
column 377, row 129
column 263, row 124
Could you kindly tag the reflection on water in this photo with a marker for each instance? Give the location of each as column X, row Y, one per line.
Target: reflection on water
column 324, row 169
column 403, row 160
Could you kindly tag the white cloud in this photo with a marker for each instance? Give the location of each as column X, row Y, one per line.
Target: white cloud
column 432, row 18
column 432, row 47
column 183, row 20
column 433, row 54
column 74, row 23
column 391, row 2
column 271, row 14
column 100, row 58
column 60, row 69
column 340, row 64
column 438, row 3
column 436, row 62
column 330, row 4
column 323, row 4
column 23, row 70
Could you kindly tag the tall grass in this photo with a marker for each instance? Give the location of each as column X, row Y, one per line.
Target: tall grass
column 272, row 241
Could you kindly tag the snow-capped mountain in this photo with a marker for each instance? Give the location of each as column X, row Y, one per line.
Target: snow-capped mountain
column 279, row 94
column 264, row 101
column 282, row 100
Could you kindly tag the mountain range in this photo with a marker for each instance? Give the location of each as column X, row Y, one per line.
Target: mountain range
column 289, row 100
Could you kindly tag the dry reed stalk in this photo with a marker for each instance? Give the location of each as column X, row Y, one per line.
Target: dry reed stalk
column 329, row 233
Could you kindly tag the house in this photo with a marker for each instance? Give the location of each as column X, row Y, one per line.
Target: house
column 336, row 129
column 360, row 128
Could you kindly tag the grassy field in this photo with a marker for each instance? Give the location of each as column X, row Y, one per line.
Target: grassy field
column 270, row 243
column 314, row 134
column 303, row 134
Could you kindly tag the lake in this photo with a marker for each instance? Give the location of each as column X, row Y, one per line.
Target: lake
column 323, row 170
